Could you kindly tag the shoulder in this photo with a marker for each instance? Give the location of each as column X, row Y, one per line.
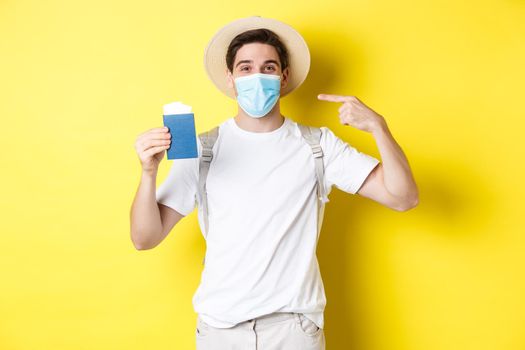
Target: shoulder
column 326, row 132
column 328, row 137
column 216, row 131
column 296, row 127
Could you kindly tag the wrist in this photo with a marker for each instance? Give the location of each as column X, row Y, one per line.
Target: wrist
column 380, row 126
column 149, row 173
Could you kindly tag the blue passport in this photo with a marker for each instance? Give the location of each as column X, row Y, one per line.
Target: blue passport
column 183, row 136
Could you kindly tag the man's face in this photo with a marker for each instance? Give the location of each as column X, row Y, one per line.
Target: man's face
column 256, row 58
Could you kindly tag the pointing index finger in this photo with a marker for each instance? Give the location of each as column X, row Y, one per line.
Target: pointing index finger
column 331, row 98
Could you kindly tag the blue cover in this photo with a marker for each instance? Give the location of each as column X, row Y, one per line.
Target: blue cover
column 183, row 137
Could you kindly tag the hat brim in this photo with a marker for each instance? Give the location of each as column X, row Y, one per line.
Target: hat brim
column 215, row 52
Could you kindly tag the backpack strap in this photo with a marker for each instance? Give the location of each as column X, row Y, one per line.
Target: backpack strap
column 207, row 140
column 312, row 135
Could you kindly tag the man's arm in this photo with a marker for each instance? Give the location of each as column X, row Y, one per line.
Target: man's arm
column 391, row 183
column 150, row 222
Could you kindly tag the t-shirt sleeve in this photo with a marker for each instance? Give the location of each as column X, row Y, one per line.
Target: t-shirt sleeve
column 345, row 167
column 179, row 190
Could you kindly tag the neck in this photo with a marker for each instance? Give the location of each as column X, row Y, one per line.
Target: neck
column 272, row 121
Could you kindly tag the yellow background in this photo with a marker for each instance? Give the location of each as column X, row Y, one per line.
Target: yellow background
column 81, row 79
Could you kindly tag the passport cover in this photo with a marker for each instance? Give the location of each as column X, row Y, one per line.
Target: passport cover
column 183, row 137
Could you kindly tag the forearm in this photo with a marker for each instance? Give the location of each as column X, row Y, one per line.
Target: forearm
column 398, row 178
column 145, row 219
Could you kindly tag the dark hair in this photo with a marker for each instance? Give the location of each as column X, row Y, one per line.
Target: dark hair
column 261, row 35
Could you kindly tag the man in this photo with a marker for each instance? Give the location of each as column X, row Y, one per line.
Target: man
column 261, row 286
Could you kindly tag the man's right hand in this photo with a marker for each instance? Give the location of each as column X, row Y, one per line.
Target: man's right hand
column 150, row 147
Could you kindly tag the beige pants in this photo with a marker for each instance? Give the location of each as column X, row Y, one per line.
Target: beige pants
column 276, row 331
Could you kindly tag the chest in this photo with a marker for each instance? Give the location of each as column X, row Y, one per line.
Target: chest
column 260, row 171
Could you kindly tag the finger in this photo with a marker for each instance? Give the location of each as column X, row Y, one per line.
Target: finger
column 158, row 142
column 151, row 143
column 154, row 150
column 154, row 136
column 155, row 130
column 332, row 98
column 158, row 131
column 344, row 107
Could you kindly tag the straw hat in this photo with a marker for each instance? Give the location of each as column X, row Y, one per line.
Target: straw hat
column 215, row 53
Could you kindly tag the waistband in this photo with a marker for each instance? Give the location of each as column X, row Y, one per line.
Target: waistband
column 264, row 319
column 272, row 318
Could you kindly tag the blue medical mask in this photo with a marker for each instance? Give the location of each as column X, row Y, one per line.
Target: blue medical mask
column 257, row 93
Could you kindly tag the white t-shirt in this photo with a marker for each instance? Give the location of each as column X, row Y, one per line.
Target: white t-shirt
column 262, row 207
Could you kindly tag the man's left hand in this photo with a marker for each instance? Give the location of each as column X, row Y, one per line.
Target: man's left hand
column 355, row 113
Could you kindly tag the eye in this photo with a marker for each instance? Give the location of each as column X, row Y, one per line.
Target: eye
column 272, row 67
column 242, row 68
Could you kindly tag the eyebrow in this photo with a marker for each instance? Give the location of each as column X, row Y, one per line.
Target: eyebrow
column 250, row 61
